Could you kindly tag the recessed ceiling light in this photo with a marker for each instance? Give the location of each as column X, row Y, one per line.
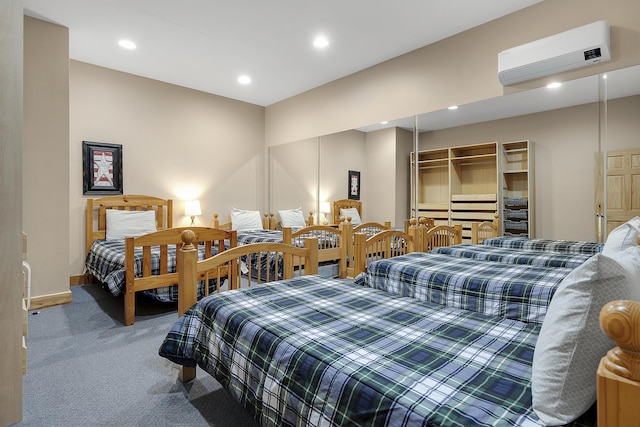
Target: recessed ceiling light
column 453, row 107
column 554, row 85
column 321, row 42
column 384, row 122
column 244, row 80
column 127, row 44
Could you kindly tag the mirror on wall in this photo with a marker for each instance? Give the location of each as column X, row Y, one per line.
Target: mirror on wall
column 293, row 176
column 568, row 125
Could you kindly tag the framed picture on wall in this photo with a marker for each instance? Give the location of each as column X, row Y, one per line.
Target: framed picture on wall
column 101, row 168
column 354, row 185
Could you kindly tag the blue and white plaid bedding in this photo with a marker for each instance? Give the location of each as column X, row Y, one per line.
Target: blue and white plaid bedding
column 513, row 256
column 312, row 351
column 545, row 245
column 275, row 236
column 259, row 236
column 106, row 262
column 520, row 292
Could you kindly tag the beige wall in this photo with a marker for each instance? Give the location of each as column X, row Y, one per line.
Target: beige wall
column 177, row 143
column 46, row 156
column 11, row 103
column 455, row 71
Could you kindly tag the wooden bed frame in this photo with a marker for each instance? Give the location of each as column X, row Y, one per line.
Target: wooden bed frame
column 210, row 237
column 345, row 204
column 367, row 228
column 480, row 231
column 342, row 233
column 325, row 235
column 166, row 236
column 96, row 230
column 190, row 269
column 618, row 374
column 440, row 235
column 382, row 245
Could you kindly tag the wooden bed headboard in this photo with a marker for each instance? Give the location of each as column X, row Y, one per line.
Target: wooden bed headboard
column 345, row 204
column 97, row 230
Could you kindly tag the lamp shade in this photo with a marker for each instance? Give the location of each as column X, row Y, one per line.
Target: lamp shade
column 192, row 208
column 325, row 207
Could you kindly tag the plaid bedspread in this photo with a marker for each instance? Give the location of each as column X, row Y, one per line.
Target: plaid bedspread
column 259, row 236
column 266, row 264
column 312, row 351
column 106, row 262
column 525, row 243
column 513, row 256
column 520, row 292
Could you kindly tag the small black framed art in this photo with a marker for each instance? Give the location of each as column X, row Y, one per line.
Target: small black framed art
column 354, row 185
column 101, row 168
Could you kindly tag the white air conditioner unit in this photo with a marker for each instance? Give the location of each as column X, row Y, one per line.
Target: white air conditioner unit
column 565, row 51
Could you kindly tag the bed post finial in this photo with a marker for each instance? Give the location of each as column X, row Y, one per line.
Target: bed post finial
column 187, row 237
column 620, row 320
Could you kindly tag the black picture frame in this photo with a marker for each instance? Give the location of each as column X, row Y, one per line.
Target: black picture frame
column 101, row 168
column 354, row 185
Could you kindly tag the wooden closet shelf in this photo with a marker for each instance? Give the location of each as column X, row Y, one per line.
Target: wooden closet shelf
column 474, row 197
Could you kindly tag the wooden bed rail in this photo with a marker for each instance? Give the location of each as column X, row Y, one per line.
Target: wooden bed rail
column 619, row 371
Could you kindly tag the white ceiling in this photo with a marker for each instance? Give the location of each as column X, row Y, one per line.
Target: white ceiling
column 206, row 44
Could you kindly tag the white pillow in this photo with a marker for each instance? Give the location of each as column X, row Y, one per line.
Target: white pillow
column 353, row 213
column 571, row 343
column 622, row 237
column 121, row 224
column 245, row 220
column 292, row 218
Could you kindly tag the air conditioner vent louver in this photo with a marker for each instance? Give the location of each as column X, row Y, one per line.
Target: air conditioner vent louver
column 565, row 51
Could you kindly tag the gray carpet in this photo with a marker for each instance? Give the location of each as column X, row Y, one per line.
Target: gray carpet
column 85, row 368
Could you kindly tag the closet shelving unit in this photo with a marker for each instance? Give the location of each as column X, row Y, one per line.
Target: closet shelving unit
column 433, row 185
column 458, row 185
column 473, row 182
column 517, row 173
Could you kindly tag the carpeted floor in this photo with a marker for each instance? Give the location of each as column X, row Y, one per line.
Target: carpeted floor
column 85, row 368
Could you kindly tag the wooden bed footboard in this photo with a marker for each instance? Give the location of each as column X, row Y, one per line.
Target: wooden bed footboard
column 382, row 245
column 481, row 231
column 211, row 239
column 332, row 242
column 619, row 371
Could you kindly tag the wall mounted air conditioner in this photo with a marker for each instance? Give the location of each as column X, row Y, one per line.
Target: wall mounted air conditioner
column 565, row 51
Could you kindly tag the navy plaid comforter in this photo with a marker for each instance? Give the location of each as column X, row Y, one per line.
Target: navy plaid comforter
column 313, row 351
column 265, row 265
column 545, row 245
column 512, row 256
column 520, row 292
column 106, row 262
